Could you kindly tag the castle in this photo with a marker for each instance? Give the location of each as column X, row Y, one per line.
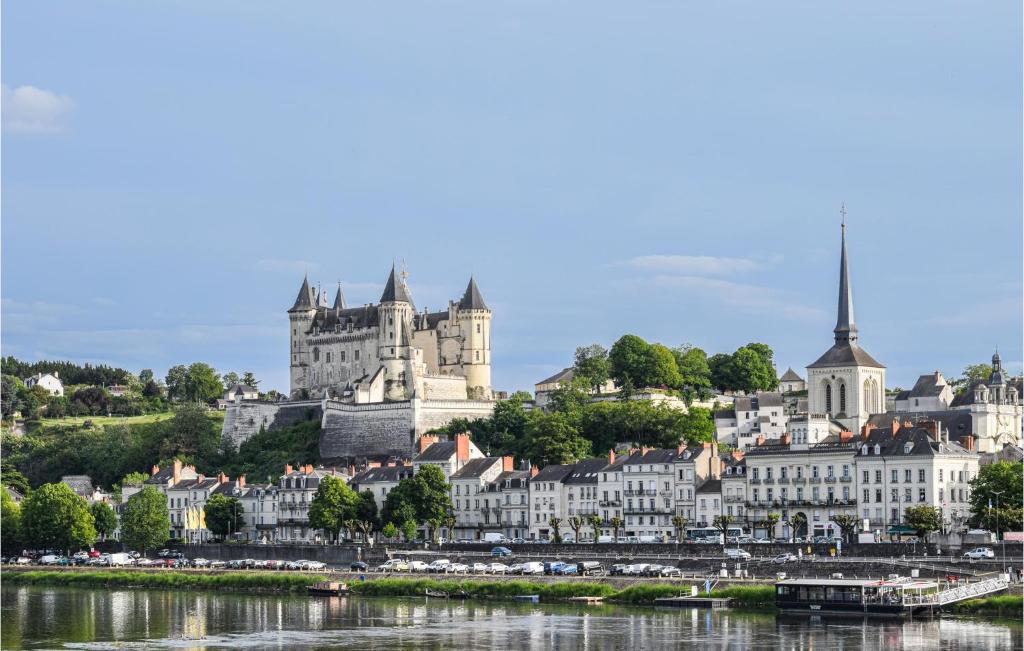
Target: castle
column 377, row 376
column 389, row 351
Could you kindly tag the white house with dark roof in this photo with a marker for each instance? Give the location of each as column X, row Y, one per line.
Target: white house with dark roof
column 296, row 489
column 511, row 491
column 995, row 408
column 381, row 480
column 241, row 392
column 734, row 485
column 49, row 381
column 450, row 456
column 762, row 414
column 931, row 392
column 547, row 500
column 649, row 480
column 791, row 382
column 476, row 510
column 846, row 382
column 542, row 390
column 581, row 494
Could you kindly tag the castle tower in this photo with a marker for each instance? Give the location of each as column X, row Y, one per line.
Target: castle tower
column 394, row 344
column 846, row 383
column 300, row 318
column 475, row 321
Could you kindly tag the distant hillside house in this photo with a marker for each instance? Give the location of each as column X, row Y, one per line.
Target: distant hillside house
column 241, row 390
column 930, row 393
column 543, row 389
column 117, row 390
column 49, row 381
column 790, row 382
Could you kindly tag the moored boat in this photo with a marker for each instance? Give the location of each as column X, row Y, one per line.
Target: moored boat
column 328, row 589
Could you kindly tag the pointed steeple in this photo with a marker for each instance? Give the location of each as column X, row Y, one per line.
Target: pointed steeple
column 305, row 300
column 845, row 330
column 472, row 299
column 321, row 297
column 339, row 299
column 394, row 291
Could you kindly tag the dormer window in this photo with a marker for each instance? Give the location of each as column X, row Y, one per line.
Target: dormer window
column 864, row 450
column 907, row 447
column 878, row 449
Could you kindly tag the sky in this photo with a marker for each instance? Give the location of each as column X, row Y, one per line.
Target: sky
column 673, row 170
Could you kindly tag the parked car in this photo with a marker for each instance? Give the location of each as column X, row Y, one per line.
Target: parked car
column 144, row 562
column 359, row 566
column 637, row 569
column 552, row 567
column 80, row 556
column 617, row 570
column 438, row 565
column 418, row 566
column 501, row 551
column 979, row 553
column 479, row 568
column 458, row 568
column 533, row 567
column 515, row 568
column 518, row 541
column 652, row 570
column 19, row 560
column 222, row 564
column 668, row 570
column 734, row 553
column 393, row 565
column 49, row 559
column 783, row 558
column 316, row 566
column 200, row 562
column 568, row 569
column 497, row 568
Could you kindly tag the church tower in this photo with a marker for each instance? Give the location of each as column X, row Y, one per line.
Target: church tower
column 846, row 383
column 394, row 339
column 475, row 321
column 300, row 318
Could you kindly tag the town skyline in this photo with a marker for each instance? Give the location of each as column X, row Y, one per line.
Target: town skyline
column 161, row 209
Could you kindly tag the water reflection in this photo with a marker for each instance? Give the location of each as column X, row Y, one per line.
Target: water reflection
column 36, row 617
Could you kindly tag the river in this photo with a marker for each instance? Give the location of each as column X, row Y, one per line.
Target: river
column 36, row 617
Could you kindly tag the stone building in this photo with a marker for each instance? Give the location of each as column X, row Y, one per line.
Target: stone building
column 995, row 408
column 790, row 382
column 846, row 382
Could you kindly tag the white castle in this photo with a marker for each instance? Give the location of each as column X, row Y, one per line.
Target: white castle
column 388, row 351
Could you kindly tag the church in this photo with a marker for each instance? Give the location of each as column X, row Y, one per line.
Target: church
column 846, row 383
column 389, row 351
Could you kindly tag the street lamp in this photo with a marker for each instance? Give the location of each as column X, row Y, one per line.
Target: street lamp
column 997, row 494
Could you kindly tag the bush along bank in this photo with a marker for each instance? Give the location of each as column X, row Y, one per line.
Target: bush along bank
column 996, row 606
column 168, row 580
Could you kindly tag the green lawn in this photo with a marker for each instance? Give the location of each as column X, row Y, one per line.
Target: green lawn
column 115, row 420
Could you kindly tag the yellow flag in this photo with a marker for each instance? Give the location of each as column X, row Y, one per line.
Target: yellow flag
column 188, row 520
column 202, row 519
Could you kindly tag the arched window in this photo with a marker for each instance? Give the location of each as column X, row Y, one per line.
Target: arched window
column 842, row 398
column 316, row 354
column 828, row 398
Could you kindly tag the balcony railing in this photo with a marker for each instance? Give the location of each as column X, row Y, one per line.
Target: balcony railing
column 611, row 503
column 830, row 480
column 846, row 479
column 755, row 480
column 640, row 492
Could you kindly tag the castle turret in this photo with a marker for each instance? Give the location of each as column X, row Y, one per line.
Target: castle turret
column 394, row 345
column 475, row 322
column 300, row 318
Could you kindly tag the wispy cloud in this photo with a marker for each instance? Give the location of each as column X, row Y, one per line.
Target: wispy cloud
column 755, row 299
column 27, row 109
column 695, row 264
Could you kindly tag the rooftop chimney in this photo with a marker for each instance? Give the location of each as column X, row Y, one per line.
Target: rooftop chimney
column 611, row 457
column 895, row 427
column 373, row 464
column 760, row 440
column 462, row 447
column 534, row 470
column 866, row 430
column 845, row 436
column 680, row 448
column 288, row 469
column 426, row 441
column 155, row 470
column 176, row 475
column 967, row 441
column 222, row 478
column 241, row 481
column 737, row 455
column 785, row 439
column 508, row 464
column 931, row 426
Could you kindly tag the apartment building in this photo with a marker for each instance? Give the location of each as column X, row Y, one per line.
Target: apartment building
column 477, row 510
column 546, row 500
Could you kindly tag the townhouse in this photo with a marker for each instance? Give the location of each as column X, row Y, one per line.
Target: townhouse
column 546, row 500
column 581, row 494
column 648, row 475
column 296, row 489
column 476, row 509
column 511, row 491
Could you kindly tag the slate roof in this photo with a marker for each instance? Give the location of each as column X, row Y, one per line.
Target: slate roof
column 920, row 441
column 339, row 299
column 519, row 478
column 226, row 488
column 585, row 471
column 565, row 375
column 726, row 413
column 475, row 468
column 846, row 354
column 390, row 474
column 927, row 386
column 657, row 455
column 305, row 300
column 363, row 316
column 472, row 300
column 161, row 477
column 710, row 486
column 440, row 451
column 554, row 472
column 243, row 388
column 81, row 484
column 769, row 399
column 394, row 291
column 957, row 422
column 790, row 376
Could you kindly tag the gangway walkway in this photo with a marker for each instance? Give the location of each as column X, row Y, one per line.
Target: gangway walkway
column 959, row 593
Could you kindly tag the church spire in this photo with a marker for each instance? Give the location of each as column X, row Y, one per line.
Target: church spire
column 845, row 330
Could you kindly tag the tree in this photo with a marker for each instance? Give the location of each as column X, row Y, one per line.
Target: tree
column 616, row 523
column 847, row 525
column 225, row 515
column 592, row 366
column 333, row 505
column 175, row 380
column 409, row 530
column 11, row 476
column 925, row 519
column 679, row 524
column 722, row 375
column 595, row 523
column 95, row 399
column 190, row 435
column 971, row 373
column 697, row 426
column 202, row 384
column 551, row 439
column 146, row 376
column 752, row 369
column 575, row 523
column 54, row 516
column 10, row 387
column 10, row 524
column 390, row 531
column 134, row 479
column 104, row 519
column 627, row 362
column 152, row 390
column 434, row 501
column 249, row 380
column 798, row 522
column 230, row 379
column 694, row 371
column 366, row 509
column 770, row 521
column 722, row 522
column 144, row 520
column 998, row 485
column 556, row 524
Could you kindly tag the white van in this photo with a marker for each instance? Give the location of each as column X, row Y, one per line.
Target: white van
column 119, row 559
column 734, row 553
column 493, row 538
column 533, row 567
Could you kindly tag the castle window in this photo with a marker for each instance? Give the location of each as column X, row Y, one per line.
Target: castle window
column 357, row 356
column 842, row 398
column 343, row 356
column 478, row 355
column 316, row 354
column 478, row 328
column 828, row 398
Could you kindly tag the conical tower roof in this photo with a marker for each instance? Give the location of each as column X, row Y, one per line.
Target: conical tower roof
column 305, row 300
column 472, row 299
column 394, row 291
column 845, row 329
column 339, row 299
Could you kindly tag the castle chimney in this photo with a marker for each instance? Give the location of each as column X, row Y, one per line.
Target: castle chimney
column 611, row 457
column 760, row 440
column 534, row 470
column 176, row 475
column 508, row 464
column 241, row 481
column 785, row 439
column 288, row 469
column 222, row 478
column 845, row 436
column 426, row 441
column 462, row 447
column 967, row 441
column 154, row 470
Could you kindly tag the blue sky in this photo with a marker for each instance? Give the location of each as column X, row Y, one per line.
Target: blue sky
column 674, row 170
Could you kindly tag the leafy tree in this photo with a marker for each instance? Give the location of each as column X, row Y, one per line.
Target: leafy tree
column 202, row 384
column 753, row 370
column 134, row 479
column 70, row 373
column 616, row 524
column 152, row 390
column 971, row 373
column 175, row 381
column 191, row 434
column 10, row 524
column 798, row 522
column 224, row 515
column 10, row 387
column 661, row 369
column 95, row 399
column 556, row 524
column 592, row 366
column 366, row 510
column 11, row 476
column 54, row 516
column 628, row 361
column 595, row 522
column 334, row 504
column 230, row 379
column 847, row 525
column 433, row 494
column 570, row 399
column 679, row 524
column 409, row 530
column 697, row 426
column 144, row 520
column 146, row 376
column 722, row 522
column 390, row 531
column 575, row 523
column 550, row 438
column 399, row 504
column 1005, row 478
column 104, row 519
column 694, row 371
column 925, row 519
column 770, row 521
column 249, row 380
column 722, row 374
